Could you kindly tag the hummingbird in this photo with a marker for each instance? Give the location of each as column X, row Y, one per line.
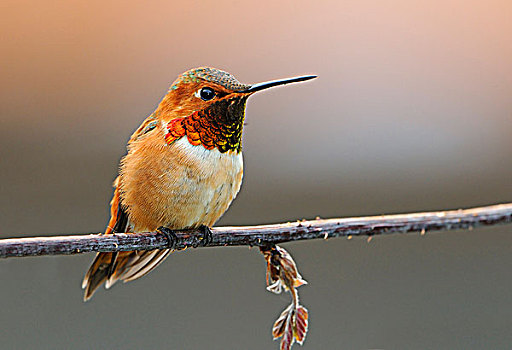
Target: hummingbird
column 182, row 170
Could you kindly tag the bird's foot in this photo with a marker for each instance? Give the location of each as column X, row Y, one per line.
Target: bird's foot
column 207, row 235
column 170, row 235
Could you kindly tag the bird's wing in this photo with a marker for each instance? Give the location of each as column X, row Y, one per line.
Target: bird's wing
column 147, row 125
column 125, row 266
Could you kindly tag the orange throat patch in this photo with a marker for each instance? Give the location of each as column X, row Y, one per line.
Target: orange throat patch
column 219, row 126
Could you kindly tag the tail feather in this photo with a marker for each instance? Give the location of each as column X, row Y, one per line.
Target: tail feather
column 137, row 272
column 133, row 263
column 128, row 266
column 97, row 274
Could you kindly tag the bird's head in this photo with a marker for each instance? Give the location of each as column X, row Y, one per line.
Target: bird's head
column 208, row 104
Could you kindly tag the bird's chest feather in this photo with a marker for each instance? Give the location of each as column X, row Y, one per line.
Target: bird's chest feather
column 178, row 185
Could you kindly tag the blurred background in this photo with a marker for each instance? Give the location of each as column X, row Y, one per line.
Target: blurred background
column 412, row 111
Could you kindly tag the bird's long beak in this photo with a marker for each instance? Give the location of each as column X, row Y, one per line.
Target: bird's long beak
column 269, row 84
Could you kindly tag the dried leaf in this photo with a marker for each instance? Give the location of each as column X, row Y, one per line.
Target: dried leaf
column 282, row 272
column 276, row 287
column 299, row 282
column 280, row 324
column 272, row 275
column 288, row 339
column 301, row 324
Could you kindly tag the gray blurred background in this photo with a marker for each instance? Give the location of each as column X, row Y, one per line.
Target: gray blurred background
column 412, row 111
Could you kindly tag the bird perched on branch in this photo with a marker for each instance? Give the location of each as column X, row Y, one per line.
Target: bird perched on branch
column 182, row 170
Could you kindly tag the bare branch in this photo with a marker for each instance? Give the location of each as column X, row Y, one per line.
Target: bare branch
column 263, row 235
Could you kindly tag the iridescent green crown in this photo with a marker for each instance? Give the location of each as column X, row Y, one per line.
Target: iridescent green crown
column 213, row 75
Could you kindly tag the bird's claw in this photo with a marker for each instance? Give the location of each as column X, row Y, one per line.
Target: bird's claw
column 172, row 239
column 207, row 235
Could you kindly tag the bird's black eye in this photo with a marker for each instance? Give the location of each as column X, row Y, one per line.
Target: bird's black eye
column 206, row 93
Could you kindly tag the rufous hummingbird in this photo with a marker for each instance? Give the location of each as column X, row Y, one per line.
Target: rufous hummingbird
column 182, row 170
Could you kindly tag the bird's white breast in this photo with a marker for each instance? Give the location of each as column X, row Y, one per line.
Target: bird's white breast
column 213, row 161
column 210, row 183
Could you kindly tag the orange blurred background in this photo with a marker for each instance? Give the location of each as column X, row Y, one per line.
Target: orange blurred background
column 412, row 111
